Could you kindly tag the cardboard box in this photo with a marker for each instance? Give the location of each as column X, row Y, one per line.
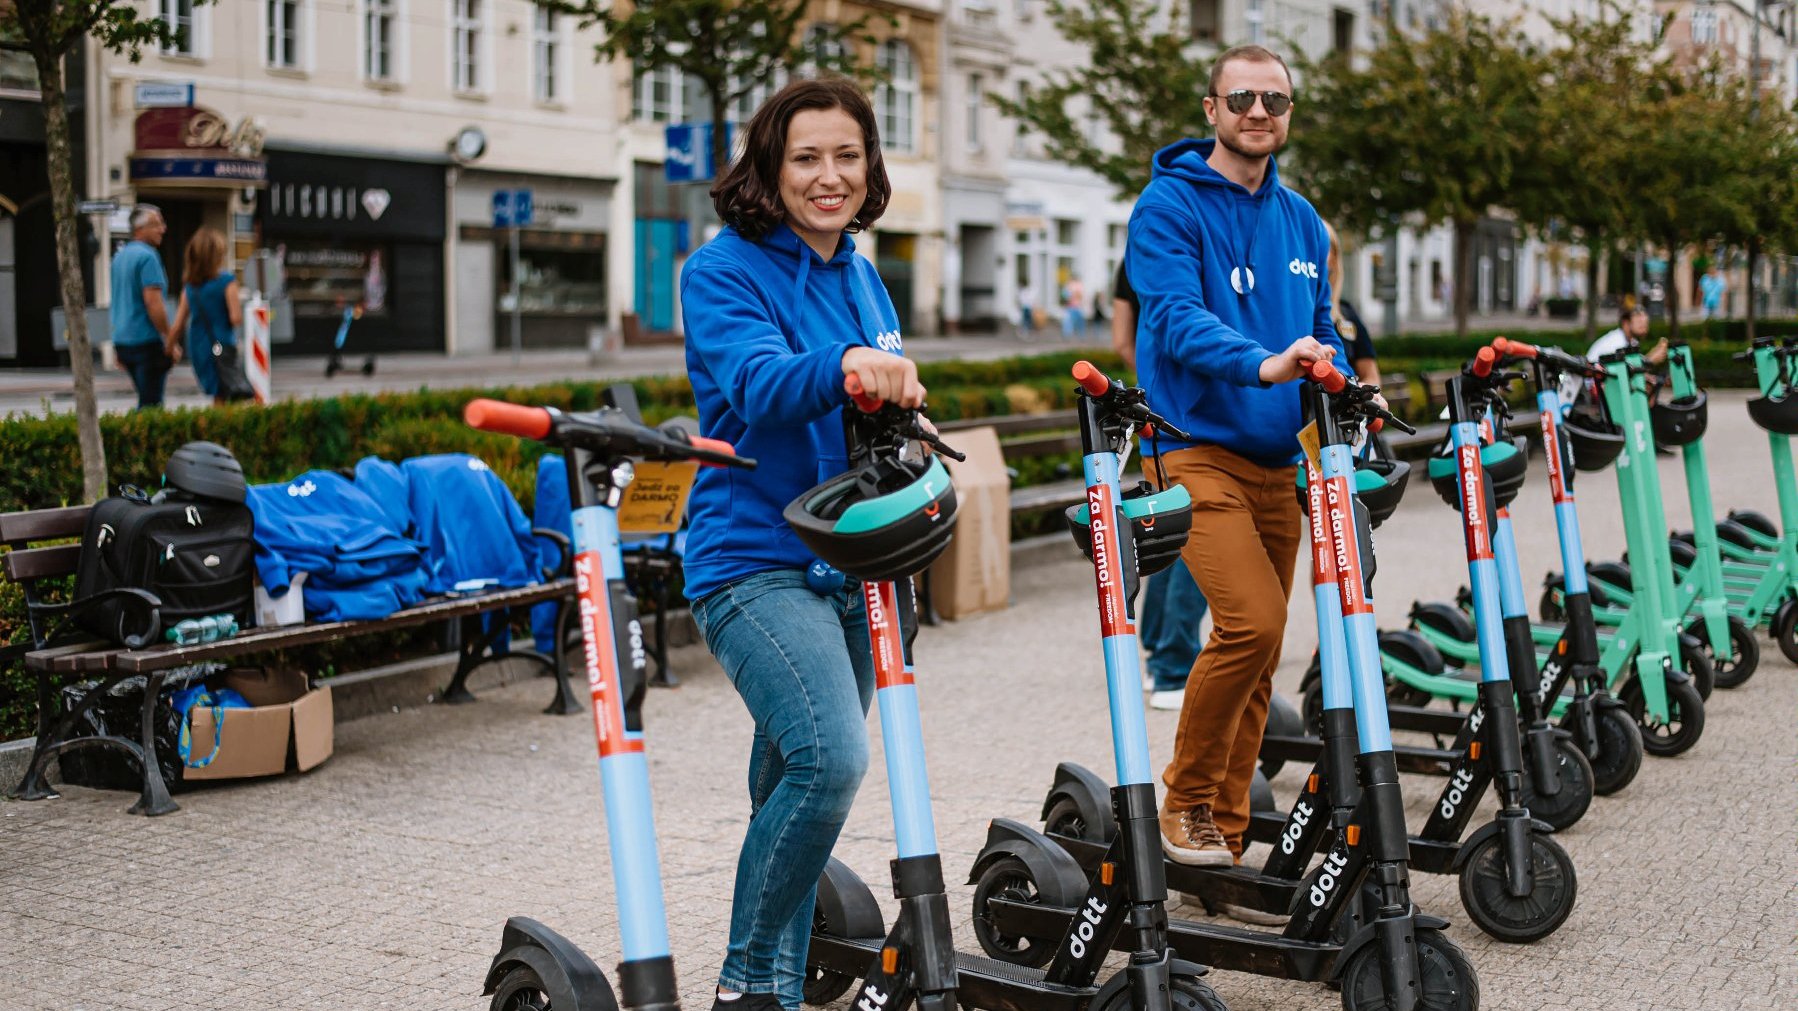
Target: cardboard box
column 288, row 727
column 974, row 574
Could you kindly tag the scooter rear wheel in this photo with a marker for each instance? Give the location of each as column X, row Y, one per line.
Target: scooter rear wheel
column 821, row 985
column 1756, row 521
column 1785, row 628
column 1619, row 751
column 1681, row 554
column 1185, row 993
column 1009, row 879
column 1685, row 718
column 1448, row 982
column 520, row 989
column 1734, row 670
column 1569, row 805
column 1519, row 920
column 1066, row 818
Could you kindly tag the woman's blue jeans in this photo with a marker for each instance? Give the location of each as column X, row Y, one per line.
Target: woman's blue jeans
column 802, row 664
column 1168, row 626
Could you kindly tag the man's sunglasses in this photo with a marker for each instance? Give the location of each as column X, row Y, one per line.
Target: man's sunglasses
column 1277, row 103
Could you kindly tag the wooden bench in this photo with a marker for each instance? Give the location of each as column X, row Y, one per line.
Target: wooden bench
column 52, row 656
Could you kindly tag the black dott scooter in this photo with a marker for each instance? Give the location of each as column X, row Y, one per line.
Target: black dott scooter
column 1384, row 953
column 1127, row 895
column 538, row 969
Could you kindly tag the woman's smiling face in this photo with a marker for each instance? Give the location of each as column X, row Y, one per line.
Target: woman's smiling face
column 823, row 176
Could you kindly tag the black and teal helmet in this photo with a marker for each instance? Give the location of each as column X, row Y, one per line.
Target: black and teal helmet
column 1506, row 464
column 886, row 520
column 1776, row 414
column 1379, row 484
column 1159, row 523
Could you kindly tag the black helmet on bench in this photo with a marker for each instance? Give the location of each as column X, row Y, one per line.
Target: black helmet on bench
column 886, row 520
column 205, row 470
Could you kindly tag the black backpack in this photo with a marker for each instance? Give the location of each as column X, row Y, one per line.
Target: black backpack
column 196, row 555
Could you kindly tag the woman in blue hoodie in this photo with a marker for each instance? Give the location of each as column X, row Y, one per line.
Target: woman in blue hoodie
column 779, row 311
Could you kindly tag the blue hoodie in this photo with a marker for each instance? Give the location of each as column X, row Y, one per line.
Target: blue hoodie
column 767, row 324
column 360, row 565
column 1200, row 343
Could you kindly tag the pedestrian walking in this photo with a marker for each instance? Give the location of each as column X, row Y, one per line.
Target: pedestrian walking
column 210, row 311
column 1229, row 267
column 1026, row 310
column 140, row 325
column 1173, row 607
column 1711, row 287
column 1073, row 309
column 779, row 309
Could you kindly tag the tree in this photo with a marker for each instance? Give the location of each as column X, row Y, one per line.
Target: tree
column 1597, row 103
column 1433, row 128
column 1139, row 82
column 1765, row 184
column 734, row 48
column 49, row 30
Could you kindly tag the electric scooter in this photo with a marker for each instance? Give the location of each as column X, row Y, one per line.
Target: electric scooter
column 1128, row 895
column 1384, row 954
column 1776, row 411
column 537, row 969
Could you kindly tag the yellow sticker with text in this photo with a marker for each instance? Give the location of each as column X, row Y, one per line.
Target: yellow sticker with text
column 657, row 498
column 1308, row 438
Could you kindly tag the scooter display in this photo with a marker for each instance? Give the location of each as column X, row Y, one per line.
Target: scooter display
column 1126, row 897
column 537, row 969
column 1392, row 957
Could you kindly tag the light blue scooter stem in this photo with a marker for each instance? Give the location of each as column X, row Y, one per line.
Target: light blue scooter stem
column 1482, row 568
column 1123, row 662
column 901, row 730
column 1372, row 725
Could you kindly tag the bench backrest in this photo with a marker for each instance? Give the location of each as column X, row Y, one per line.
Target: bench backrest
column 26, row 565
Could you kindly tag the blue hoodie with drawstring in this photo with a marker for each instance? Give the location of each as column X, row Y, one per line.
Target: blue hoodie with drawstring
column 767, row 323
column 1227, row 278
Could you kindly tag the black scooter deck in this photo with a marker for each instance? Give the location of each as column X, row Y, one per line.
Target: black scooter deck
column 980, row 982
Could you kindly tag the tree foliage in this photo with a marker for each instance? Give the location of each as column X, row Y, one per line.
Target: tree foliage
column 49, row 30
column 732, row 47
column 1140, row 82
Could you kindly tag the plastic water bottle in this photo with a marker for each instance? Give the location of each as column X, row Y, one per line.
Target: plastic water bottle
column 193, row 631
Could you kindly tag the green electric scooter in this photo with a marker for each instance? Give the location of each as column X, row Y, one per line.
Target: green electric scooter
column 1702, row 590
column 1639, row 662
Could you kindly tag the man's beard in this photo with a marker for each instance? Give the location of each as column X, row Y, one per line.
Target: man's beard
column 1233, row 148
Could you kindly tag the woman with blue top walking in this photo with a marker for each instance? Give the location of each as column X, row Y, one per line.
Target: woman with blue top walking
column 779, row 310
column 212, row 303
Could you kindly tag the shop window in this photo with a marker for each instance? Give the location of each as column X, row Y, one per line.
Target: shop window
column 325, row 277
column 561, row 274
column 283, row 40
column 179, row 14
column 468, row 24
column 896, row 100
column 547, row 58
column 380, row 40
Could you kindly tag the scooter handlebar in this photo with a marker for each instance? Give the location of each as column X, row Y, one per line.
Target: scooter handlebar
column 1324, row 374
column 1514, row 349
column 866, row 402
column 507, row 419
column 1091, row 379
column 1483, row 361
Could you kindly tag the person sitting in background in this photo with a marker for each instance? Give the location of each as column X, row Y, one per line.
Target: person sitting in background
column 1631, row 328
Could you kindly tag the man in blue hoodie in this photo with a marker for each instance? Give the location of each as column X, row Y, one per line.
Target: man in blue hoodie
column 1229, row 267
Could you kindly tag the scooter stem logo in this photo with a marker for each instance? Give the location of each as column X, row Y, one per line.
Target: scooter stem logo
column 1328, row 876
column 1106, row 565
column 1295, row 827
column 1473, row 503
column 1087, row 926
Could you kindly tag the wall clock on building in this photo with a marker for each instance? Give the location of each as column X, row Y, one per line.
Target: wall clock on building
column 470, row 143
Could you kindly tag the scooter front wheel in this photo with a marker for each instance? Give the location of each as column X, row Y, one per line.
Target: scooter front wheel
column 1685, row 718
column 1448, row 982
column 1734, row 670
column 1619, row 750
column 1695, row 660
column 520, row 989
column 1569, row 805
column 1785, row 628
column 1512, row 918
column 1185, row 993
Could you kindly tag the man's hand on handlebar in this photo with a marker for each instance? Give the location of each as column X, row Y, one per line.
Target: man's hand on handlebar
column 885, row 376
column 1290, row 363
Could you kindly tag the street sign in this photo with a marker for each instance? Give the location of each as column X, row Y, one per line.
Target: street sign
column 96, row 207
column 690, row 151
column 512, row 208
column 164, row 94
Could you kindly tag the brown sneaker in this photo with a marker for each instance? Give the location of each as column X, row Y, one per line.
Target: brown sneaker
column 1191, row 837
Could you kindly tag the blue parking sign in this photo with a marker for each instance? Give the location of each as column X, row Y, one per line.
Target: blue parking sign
column 512, row 208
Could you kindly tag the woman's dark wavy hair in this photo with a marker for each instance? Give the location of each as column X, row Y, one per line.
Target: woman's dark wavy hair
column 748, row 197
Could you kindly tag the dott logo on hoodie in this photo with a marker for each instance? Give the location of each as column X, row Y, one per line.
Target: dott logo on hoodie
column 1303, row 268
column 890, row 341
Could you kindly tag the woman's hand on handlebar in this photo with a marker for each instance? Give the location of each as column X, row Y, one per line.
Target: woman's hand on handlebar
column 1290, row 363
column 885, row 376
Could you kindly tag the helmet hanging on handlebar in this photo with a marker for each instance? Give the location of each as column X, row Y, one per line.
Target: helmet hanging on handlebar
column 1505, row 463
column 1159, row 523
column 886, row 520
column 1379, row 484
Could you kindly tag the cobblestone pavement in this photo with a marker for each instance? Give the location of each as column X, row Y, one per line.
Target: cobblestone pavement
column 382, row 878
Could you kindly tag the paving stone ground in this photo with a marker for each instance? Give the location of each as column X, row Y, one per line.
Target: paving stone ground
column 382, row 878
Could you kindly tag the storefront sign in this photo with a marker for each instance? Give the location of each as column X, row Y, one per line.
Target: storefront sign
column 191, row 145
column 326, row 195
